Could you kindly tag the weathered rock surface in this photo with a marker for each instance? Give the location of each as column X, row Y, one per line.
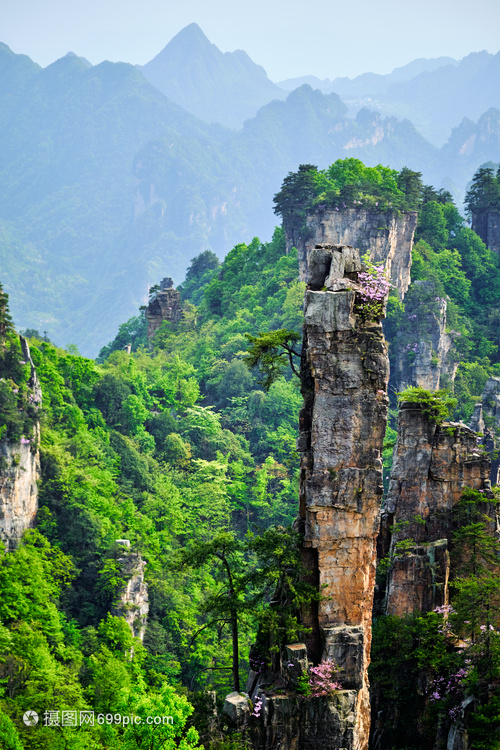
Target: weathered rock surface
column 133, row 600
column 386, row 237
column 344, row 373
column 342, row 425
column 165, row 305
column 490, row 399
column 428, row 359
column 432, row 465
column 292, row 722
column 237, row 707
column 487, row 225
column 476, row 423
column 19, row 474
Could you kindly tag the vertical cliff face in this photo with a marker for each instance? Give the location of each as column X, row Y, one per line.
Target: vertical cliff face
column 423, row 353
column 432, row 465
column 19, row 473
column 166, row 305
column 342, row 425
column 133, row 600
column 487, row 225
column 344, row 373
column 490, row 398
column 387, row 237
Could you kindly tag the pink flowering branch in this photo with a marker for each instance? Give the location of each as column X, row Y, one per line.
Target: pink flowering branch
column 374, row 289
column 321, row 680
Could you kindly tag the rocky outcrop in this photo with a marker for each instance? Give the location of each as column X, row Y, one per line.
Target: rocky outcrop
column 165, row 306
column 344, row 373
column 489, row 424
column 432, row 466
column 20, row 472
column 386, row 237
column 423, row 352
column 490, row 399
column 283, row 718
column 487, row 225
column 476, row 423
column 133, row 601
column 342, row 426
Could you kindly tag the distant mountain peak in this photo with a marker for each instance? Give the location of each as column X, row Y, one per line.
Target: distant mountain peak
column 225, row 87
column 183, row 42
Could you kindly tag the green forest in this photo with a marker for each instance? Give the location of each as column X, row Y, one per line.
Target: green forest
column 187, row 449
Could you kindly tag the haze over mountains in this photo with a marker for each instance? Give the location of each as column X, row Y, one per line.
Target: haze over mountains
column 112, row 176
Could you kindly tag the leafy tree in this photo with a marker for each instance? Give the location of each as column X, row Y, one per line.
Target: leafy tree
column 484, row 192
column 226, row 604
column 295, row 197
column 270, row 350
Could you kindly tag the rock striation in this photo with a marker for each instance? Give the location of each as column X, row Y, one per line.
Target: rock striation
column 432, row 466
column 342, row 426
column 133, row 600
column 490, row 399
column 423, row 352
column 344, row 373
column 487, row 225
column 386, row 237
column 165, row 305
column 19, row 473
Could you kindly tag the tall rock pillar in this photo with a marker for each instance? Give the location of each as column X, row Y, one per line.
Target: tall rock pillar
column 20, row 471
column 432, row 466
column 345, row 372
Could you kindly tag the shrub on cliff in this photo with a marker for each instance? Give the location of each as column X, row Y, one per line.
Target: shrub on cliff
column 347, row 183
column 437, row 405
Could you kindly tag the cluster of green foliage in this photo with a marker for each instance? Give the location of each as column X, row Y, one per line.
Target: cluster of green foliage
column 348, row 183
column 19, row 405
column 178, row 449
column 436, row 405
column 484, row 193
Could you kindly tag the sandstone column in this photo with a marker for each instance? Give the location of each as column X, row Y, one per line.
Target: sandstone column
column 345, row 373
column 20, row 471
column 432, row 465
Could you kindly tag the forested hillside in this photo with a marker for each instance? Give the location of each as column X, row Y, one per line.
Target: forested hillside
column 176, row 449
column 179, row 448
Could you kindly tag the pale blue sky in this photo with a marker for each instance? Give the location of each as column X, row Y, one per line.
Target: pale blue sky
column 289, row 38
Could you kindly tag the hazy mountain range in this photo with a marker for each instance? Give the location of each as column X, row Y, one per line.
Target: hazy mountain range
column 112, row 176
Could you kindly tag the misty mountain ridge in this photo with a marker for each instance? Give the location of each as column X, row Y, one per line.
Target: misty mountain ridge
column 229, row 88
column 106, row 185
column 217, row 87
column 367, row 84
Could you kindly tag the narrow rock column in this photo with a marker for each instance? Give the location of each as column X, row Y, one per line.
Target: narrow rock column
column 345, row 373
column 133, row 600
column 20, row 472
column 432, row 466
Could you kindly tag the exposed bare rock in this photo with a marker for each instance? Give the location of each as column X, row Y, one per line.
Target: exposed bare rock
column 487, row 225
column 490, row 398
column 291, row 722
column 476, row 423
column 237, row 707
column 165, row 305
column 342, row 425
column 432, row 466
column 133, row 601
column 386, row 237
column 19, row 473
column 345, row 369
column 424, row 354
